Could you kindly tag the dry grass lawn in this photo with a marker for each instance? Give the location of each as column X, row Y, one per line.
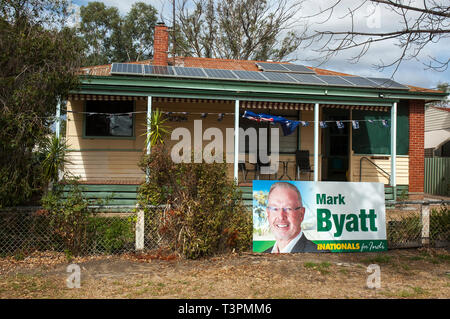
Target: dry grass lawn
column 407, row 273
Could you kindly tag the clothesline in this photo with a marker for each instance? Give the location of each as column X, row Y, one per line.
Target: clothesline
column 205, row 114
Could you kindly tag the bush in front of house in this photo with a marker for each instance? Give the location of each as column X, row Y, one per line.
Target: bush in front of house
column 111, row 234
column 79, row 227
column 69, row 214
column 440, row 224
column 193, row 209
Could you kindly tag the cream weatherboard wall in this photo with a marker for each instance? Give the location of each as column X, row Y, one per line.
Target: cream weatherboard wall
column 104, row 159
column 371, row 173
column 111, row 160
column 100, row 160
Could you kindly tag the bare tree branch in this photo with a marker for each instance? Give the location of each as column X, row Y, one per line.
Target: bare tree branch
column 418, row 26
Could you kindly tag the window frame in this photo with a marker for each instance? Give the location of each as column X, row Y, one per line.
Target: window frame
column 133, row 137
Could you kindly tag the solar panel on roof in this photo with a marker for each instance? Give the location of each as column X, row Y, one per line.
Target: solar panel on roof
column 195, row 72
column 307, row 78
column 249, row 75
column 297, row 68
column 220, row 74
column 274, row 67
column 388, row 83
column 159, row 70
column 334, row 80
column 279, row 77
column 360, row 81
column 285, row 76
column 126, row 68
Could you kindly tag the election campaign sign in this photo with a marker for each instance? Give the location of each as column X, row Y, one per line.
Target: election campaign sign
column 303, row 216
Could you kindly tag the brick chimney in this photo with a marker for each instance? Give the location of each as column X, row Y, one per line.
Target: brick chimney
column 161, row 44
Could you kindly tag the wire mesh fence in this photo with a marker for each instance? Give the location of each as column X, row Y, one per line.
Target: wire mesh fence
column 412, row 224
column 25, row 231
column 408, row 225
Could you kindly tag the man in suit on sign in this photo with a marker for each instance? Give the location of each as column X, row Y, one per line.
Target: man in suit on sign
column 285, row 213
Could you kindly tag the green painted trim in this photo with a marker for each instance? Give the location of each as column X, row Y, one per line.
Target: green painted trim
column 283, row 96
column 249, row 97
column 244, row 88
column 108, row 137
column 398, row 155
column 105, row 150
column 107, row 188
column 84, row 136
column 106, row 195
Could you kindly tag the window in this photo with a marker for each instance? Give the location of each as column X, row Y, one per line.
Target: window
column 288, row 143
column 117, row 120
column 374, row 138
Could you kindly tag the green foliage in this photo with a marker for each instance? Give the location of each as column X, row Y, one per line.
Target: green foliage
column 200, row 210
column 111, row 234
column 410, row 228
column 38, row 61
column 440, row 223
column 54, row 151
column 109, row 37
column 69, row 214
column 404, row 230
column 158, row 129
column 139, row 26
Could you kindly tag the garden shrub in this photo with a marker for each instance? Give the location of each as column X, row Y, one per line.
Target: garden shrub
column 193, row 208
column 111, row 234
column 440, row 223
column 69, row 214
column 405, row 230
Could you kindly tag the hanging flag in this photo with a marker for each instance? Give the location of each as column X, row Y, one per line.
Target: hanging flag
column 385, row 123
column 323, row 124
column 220, row 118
column 204, row 115
column 370, row 121
column 355, row 124
column 304, row 123
column 339, row 124
column 288, row 126
column 262, row 117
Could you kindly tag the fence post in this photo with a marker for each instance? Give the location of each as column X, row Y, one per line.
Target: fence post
column 425, row 224
column 140, row 230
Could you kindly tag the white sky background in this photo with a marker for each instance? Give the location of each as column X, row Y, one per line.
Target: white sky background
column 411, row 72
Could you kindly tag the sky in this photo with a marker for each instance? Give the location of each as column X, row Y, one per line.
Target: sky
column 368, row 18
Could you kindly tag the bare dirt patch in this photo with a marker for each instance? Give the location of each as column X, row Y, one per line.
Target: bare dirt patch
column 408, row 273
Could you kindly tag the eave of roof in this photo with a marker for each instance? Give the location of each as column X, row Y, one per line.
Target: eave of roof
column 221, row 89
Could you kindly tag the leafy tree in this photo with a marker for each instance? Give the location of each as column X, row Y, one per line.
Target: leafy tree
column 100, row 30
column 38, row 61
column 139, row 26
column 109, row 37
column 238, row 29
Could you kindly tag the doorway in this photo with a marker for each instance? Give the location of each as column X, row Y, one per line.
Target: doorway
column 335, row 145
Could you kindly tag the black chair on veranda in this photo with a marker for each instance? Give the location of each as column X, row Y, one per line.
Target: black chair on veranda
column 302, row 162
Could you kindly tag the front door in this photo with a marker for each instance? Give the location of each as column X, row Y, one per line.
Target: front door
column 335, row 144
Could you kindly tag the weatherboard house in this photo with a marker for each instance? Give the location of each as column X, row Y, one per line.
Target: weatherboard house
column 353, row 128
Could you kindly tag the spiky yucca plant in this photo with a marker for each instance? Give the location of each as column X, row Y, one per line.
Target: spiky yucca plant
column 54, row 150
column 158, row 129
